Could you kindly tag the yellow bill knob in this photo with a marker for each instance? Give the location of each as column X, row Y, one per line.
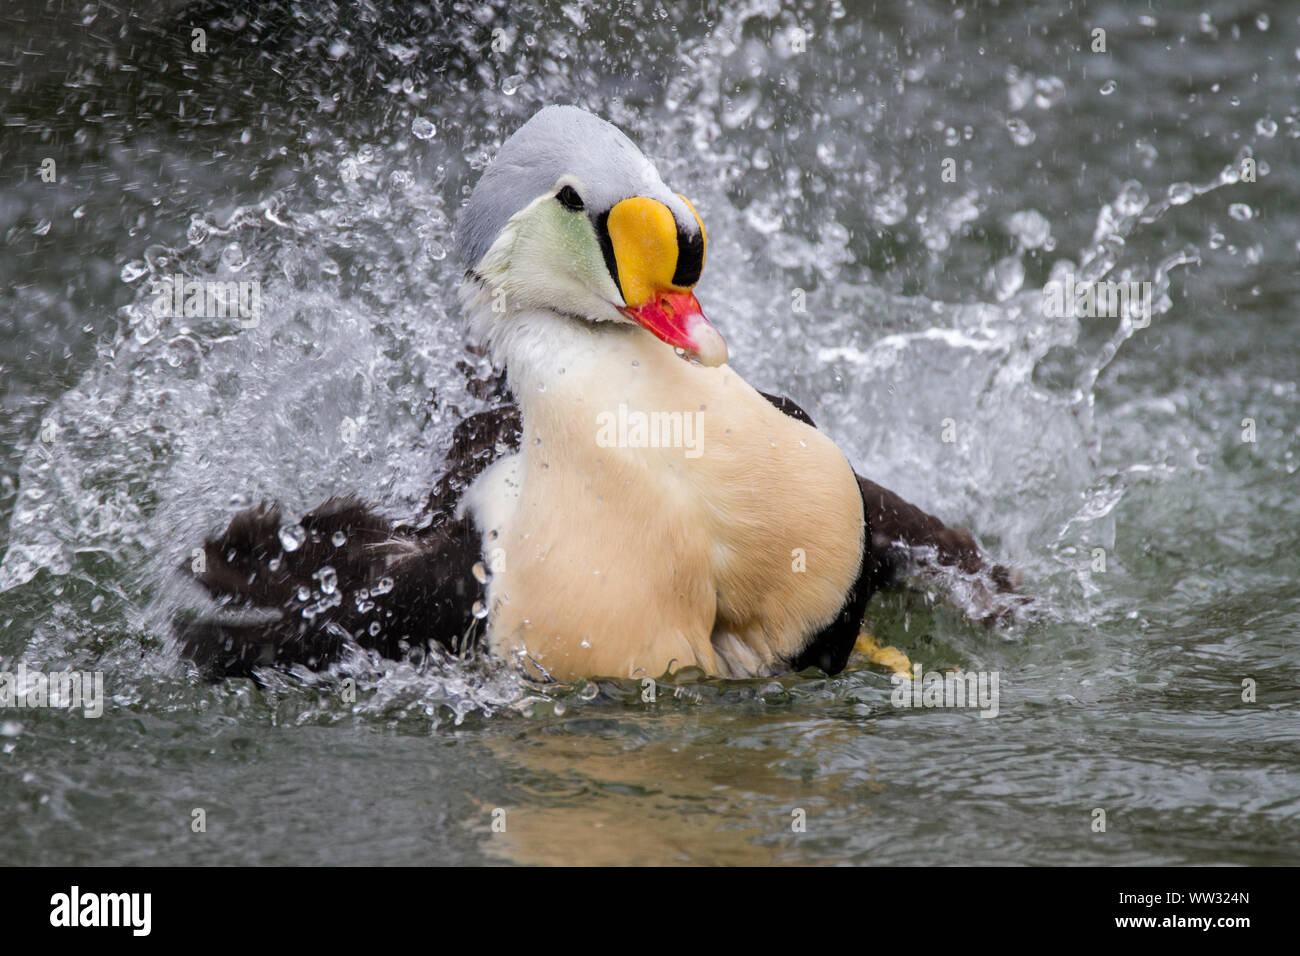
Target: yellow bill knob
column 643, row 234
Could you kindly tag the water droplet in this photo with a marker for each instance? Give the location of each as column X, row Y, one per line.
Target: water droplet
column 1241, row 212
column 1021, row 134
column 1007, row 277
column 1132, row 199
column 480, row 610
column 133, row 270
column 292, row 536
column 42, row 227
column 198, row 231
column 421, row 128
column 97, row 603
column 383, row 586
column 891, row 208
column 1030, row 227
column 1107, row 88
column 233, row 256
column 1262, row 22
column 510, row 85
column 1180, row 194
column 10, row 728
column 339, row 539
column 1019, row 90
column 304, row 593
column 480, row 572
column 1048, row 91
column 764, row 217
column 1266, row 128
column 375, row 628
column 329, row 579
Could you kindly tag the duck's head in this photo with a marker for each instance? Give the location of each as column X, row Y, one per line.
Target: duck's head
column 570, row 217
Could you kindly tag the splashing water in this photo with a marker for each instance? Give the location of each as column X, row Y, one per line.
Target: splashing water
column 908, row 314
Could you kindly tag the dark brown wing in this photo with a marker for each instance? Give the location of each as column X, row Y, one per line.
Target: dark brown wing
column 903, row 533
column 355, row 575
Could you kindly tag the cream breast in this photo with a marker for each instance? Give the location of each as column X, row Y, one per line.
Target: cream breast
column 661, row 514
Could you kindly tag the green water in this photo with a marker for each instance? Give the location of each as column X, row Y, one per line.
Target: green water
column 289, row 152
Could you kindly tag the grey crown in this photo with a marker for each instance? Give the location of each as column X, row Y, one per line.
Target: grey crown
column 560, row 140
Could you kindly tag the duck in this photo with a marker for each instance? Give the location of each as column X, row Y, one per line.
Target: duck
column 631, row 507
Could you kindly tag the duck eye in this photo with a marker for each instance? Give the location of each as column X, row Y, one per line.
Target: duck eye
column 569, row 199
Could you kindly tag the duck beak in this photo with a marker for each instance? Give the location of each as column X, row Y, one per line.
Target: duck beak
column 676, row 318
column 655, row 262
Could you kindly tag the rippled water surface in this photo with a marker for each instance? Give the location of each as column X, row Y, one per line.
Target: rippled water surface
column 323, row 150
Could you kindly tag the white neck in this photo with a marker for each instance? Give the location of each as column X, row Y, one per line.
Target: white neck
column 542, row 349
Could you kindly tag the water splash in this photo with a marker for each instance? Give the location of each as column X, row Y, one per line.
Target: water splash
column 356, row 371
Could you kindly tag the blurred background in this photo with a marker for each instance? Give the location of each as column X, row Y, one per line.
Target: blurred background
column 324, row 149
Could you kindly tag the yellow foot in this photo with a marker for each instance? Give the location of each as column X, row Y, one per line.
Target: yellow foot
column 886, row 656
